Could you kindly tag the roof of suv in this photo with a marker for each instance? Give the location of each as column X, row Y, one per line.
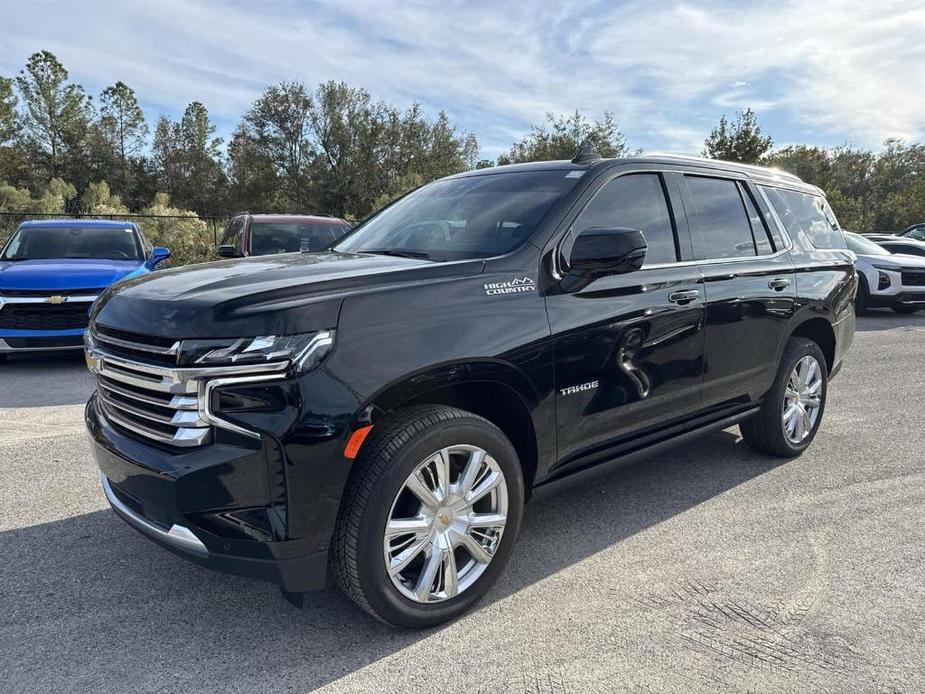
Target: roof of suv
column 280, row 218
column 759, row 173
column 86, row 223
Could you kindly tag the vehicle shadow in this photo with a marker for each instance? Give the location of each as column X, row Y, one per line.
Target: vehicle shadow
column 43, row 379
column 88, row 602
column 886, row 319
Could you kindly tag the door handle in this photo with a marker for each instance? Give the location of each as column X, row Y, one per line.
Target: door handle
column 779, row 284
column 685, row 296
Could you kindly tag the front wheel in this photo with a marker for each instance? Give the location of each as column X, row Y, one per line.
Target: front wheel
column 430, row 516
column 792, row 410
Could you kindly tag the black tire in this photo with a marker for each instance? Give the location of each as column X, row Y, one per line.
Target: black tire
column 862, row 299
column 765, row 432
column 905, row 310
column 392, row 451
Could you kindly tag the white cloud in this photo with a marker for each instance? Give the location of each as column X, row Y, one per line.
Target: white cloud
column 827, row 70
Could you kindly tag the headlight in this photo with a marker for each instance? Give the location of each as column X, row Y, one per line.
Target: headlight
column 885, row 267
column 305, row 351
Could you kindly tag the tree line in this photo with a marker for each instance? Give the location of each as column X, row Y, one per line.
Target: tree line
column 334, row 149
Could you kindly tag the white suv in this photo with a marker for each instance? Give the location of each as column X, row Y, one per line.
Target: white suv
column 888, row 279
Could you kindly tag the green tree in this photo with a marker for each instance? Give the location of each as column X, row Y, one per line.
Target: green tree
column 165, row 155
column 277, row 132
column 562, row 136
column 57, row 114
column 98, row 199
column 202, row 181
column 187, row 236
column 9, row 119
column 12, row 158
column 252, row 177
column 740, row 141
column 122, row 123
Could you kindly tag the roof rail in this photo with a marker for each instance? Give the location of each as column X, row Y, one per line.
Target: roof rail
column 748, row 167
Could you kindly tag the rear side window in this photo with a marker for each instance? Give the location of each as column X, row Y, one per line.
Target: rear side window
column 723, row 229
column 634, row 201
column 808, row 214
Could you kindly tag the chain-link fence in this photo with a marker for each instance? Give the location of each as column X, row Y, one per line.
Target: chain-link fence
column 190, row 238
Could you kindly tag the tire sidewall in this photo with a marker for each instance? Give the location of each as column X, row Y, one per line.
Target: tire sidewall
column 793, row 356
column 377, row 585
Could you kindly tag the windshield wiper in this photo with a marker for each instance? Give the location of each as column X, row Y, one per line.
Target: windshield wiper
column 400, row 253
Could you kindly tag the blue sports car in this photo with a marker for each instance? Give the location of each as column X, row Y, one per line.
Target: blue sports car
column 51, row 272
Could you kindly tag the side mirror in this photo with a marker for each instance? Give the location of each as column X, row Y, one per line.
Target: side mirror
column 227, row 251
column 602, row 251
column 158, row 255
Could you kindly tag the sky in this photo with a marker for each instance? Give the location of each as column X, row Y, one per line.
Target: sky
column 820, row 72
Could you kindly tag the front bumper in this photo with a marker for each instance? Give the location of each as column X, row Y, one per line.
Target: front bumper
column 175, row 500
column 903, row 298
column 15, row 342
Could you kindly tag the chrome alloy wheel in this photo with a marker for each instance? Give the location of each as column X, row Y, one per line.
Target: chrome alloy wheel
column 445, row 524
column 802, row 400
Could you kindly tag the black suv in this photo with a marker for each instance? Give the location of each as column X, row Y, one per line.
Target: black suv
column 381, row 411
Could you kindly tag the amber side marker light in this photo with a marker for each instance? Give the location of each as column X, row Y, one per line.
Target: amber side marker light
column 356, row 440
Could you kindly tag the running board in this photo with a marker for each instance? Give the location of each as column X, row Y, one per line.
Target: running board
column 619, row 459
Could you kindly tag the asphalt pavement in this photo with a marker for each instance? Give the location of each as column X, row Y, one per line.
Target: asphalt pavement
column 705, row 569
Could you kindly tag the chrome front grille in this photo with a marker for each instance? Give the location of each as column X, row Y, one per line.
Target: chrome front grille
column 157, row 400
column 151, row 401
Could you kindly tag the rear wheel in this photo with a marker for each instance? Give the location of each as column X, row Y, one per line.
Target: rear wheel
column 430, row 516
column 792, row 410
column 906, row 309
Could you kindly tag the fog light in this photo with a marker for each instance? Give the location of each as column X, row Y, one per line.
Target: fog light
column 884, row 281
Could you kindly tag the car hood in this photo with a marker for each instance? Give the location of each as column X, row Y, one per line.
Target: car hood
column 895, row 261
column 262, row 295
column 63, row 273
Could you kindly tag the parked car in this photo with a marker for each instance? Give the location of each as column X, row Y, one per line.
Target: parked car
column 52, row 270
column 268, row 234
column 915, row 232
column 887, row 279
column 383, row 409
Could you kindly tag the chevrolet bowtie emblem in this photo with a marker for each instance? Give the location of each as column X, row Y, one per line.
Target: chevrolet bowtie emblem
column 56, row 299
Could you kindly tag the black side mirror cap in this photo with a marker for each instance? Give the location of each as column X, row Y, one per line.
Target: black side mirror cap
column 226, row 251
column 602, row 251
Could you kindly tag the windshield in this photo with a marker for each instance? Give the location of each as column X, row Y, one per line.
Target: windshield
column 917, row 232
column 268, row 238
column 861, row 246
column 470, row 217
column 104, row 243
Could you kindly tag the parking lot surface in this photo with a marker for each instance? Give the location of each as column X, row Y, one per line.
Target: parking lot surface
column 707, row 568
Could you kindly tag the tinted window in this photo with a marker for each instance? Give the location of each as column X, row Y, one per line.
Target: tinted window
column 720, row 219
column 469, row 217
column 109, row 243
column 906, row 249
column 636, row 201
column 267, row 238
column 759, row 228
column 809, row 214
